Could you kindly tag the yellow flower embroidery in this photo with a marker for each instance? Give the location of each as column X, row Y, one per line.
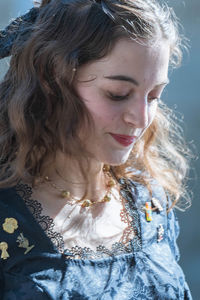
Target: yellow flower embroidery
column 10, row 225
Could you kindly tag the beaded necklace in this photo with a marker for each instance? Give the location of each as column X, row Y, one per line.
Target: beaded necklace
column 64, row 193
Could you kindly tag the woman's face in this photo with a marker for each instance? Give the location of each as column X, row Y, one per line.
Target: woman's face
column 120, row 91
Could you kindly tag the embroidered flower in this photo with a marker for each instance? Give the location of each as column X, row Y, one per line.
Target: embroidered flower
column 10, row 225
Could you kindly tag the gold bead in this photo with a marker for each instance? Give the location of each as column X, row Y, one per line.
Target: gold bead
column 111, row 183
column 86, row 203
column 37, row 181
column 65, row 194
column 106, row 168
column 106, row 198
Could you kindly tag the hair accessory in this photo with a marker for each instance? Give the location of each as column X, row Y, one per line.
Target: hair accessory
column 3, row 248
column 148, row 211
column 19, row 28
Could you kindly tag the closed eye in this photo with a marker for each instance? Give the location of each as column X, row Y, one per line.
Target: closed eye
column 118, row 97
column 115, row 97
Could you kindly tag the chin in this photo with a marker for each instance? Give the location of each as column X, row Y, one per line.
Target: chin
column 117, row 160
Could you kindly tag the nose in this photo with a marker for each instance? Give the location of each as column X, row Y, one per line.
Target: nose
column 136, row 114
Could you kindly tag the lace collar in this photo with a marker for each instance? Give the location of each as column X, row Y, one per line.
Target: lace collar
column 129, row 215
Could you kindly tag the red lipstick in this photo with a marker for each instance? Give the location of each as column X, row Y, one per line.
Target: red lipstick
column 124, row 140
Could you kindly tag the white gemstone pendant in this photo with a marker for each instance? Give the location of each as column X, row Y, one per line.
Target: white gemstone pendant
column 157, row 204
column 160, row 233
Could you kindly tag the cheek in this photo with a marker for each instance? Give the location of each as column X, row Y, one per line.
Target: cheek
column 101, row 111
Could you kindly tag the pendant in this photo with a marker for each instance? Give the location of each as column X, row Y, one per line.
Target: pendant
column 65, row 194
column 106, row 168
column 86, row 203
column 106, row 198
column 148, row 211
column 111, row 183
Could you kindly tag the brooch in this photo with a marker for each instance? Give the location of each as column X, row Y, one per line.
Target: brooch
column 157, row 204
column 3, row 248
column 10, row 225
column 160, row 233
column 148, row 211
column 24, row 243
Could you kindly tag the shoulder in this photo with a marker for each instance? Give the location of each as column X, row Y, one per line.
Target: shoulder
column 8, row 221
column 143, row 193
column 10, row 204
column 7, row 199
column 20, row 235
column 14, row 217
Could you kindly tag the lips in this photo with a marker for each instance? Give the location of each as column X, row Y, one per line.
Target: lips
column 125, row 140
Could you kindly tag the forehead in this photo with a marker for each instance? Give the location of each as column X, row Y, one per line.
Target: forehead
column 146, row 64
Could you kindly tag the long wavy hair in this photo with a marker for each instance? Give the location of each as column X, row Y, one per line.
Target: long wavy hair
column 40, row 111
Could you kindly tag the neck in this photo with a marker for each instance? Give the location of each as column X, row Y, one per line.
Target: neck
column 80, row 180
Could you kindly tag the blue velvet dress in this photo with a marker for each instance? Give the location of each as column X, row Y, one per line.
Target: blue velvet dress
column 34, row 264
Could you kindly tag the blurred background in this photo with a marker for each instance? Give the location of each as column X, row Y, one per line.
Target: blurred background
column 183, row 95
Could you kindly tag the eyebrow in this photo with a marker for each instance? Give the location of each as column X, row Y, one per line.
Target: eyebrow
column 122, row 78
column 132, row 80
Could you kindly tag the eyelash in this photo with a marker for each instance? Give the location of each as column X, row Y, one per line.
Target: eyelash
column 118, row 97
column 125, row 97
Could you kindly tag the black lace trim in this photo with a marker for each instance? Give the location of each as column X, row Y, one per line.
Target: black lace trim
column 47, row 224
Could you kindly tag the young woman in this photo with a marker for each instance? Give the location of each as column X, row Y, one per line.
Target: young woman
column 91, row 165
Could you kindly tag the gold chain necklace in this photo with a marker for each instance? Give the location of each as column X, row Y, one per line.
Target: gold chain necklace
column 63, row 193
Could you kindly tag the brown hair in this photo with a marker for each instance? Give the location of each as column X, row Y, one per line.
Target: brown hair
column 40, row 112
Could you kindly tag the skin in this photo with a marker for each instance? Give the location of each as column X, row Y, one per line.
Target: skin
column 134, row 108
column 117, row 106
